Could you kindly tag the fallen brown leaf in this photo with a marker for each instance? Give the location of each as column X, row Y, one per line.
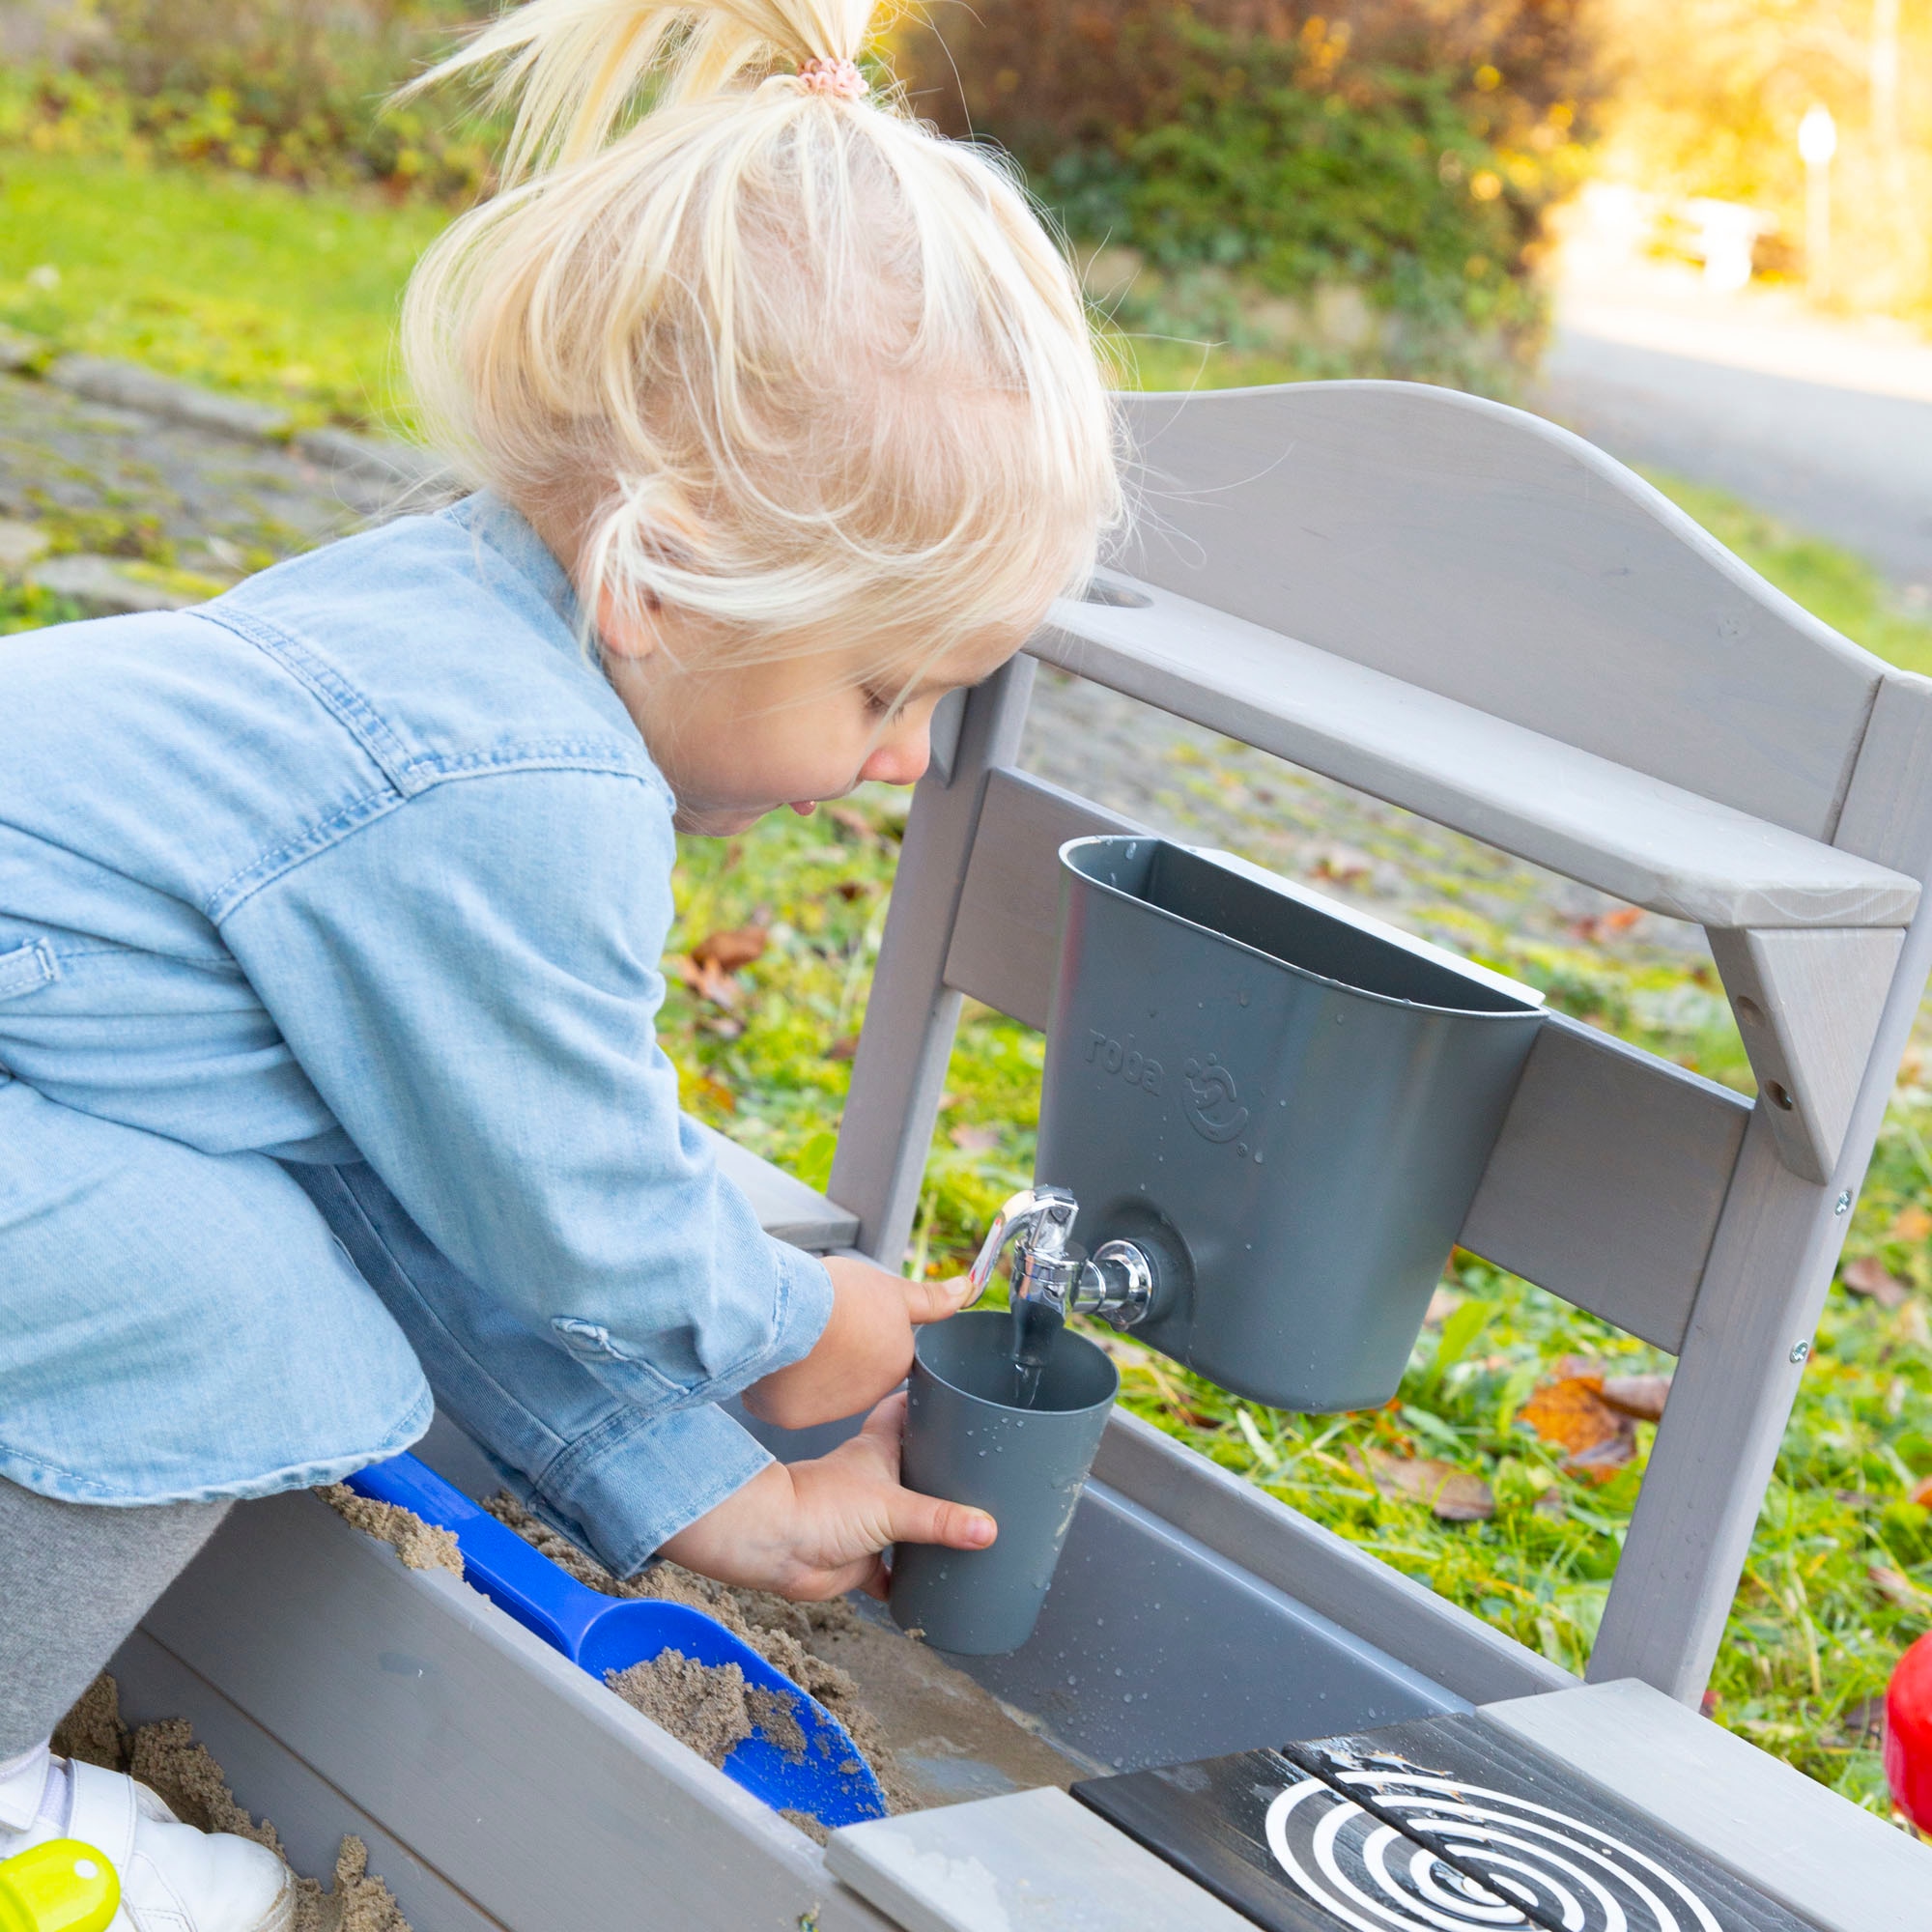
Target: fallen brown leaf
column 713, row 1092
column 1867, row 1276
column 1921, row 1492
column 1441, row 1305
column 1914, row 1224
column 1641, row 1397
column 849, row 889
column 1606, row 925
column 1341, row 863
column 974, row 1139
column 1896, row 1590
column 843, row 1047
column 706, row 980
column 1453, row 1494
column 1571, row 1415
column 729, row 951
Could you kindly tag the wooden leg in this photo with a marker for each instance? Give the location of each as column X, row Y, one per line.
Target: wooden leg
column 900, row 1071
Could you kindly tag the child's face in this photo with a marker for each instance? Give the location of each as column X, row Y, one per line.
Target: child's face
column 737, row 743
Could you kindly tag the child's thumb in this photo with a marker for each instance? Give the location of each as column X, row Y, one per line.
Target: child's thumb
column 918, row 1519
column 934, row 1300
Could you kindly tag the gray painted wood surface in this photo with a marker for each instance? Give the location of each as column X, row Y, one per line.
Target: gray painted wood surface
column 1770, row 1267
column 1626, row 832
column 1807, row 1007
column 1006, row 941
column 1332, row 1577
column 1608, row 1181
column 785, row 1207
column 1887, row 815
column 506, row 1771
column 1484, row 554
column 900, row 1070
column 1804, row 1845
column 1031, row 1861
column 1730, row 1397
column 310, row 1816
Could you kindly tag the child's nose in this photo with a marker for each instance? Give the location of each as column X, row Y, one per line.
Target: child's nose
column 901, row 760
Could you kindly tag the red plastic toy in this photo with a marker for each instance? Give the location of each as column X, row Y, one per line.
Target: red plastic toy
column 1908, row 1733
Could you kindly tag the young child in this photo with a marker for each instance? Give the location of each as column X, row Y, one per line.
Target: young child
column 331, row 912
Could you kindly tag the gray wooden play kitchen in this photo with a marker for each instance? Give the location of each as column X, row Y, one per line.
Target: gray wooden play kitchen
column 1265, row 1120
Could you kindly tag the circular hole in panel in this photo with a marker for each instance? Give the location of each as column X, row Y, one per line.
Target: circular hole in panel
column 1780, row 1095
column 1747, row 1008
column 1116, row 596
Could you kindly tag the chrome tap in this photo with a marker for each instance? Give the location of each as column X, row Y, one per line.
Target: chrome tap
column 1051, row 1281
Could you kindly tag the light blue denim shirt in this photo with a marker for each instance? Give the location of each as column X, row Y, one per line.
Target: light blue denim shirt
column 362, row 862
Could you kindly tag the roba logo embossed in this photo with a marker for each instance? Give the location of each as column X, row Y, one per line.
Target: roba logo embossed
column 1214, row 1109
column 1128, row 1061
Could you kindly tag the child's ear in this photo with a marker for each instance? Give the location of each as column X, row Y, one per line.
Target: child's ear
column 627, row 627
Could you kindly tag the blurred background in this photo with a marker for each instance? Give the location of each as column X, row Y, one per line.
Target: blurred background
column 1694, row 230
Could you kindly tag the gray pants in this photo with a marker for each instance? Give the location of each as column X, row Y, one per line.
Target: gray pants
column 74, row 1580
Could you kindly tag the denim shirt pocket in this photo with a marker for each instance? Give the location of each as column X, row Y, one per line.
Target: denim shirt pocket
column 27, row 968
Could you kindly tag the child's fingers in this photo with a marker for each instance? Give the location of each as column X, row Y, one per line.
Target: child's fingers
column 916, row 1518
column 934, row 1300
column 887, row 1423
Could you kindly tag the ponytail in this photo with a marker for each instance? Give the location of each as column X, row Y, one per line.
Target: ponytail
column 766, row 347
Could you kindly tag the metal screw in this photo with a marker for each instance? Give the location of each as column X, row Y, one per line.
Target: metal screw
column 1801, row 1351
column 1843, row 1203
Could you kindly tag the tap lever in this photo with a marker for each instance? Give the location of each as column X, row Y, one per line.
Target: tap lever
column 1048, row 1209
column 1051, row 1281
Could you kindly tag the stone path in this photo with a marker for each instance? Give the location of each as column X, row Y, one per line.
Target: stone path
column 142, row 508
column 106, row 480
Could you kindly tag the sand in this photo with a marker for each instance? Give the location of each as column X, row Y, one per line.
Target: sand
column 778, row 1630
column 701, row 1704
column 931, row 1734
column 166, row 1758
column 421, row 1545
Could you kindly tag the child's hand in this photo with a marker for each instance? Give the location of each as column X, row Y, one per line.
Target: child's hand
column 813, row 1531
column 865, row 1349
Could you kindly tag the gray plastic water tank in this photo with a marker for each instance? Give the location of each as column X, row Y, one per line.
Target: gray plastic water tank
column 1286, row 1101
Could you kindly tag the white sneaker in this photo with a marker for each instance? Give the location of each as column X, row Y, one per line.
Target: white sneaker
column 173, row 1877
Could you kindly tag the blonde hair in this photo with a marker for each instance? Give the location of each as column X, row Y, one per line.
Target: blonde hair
column 775, row 355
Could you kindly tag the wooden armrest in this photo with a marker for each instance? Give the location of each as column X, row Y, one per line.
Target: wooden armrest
column 1633, row 836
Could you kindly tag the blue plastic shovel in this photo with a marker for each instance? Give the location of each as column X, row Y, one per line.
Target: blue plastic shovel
column 601, row 1634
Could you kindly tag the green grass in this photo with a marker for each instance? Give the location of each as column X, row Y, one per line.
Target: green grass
column 244, row 285
column 289, row 296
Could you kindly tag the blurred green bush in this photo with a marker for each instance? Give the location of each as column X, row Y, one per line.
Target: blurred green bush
column 1359, row 192
column 1356, row 192
column 290, row 89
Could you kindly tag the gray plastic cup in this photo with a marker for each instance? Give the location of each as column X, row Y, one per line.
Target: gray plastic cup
column 967, row 1442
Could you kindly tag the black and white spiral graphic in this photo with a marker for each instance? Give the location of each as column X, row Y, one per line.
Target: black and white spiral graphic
column 1537, row 1866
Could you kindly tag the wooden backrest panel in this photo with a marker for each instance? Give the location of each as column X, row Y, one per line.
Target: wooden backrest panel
column 1607, row 1182
column 1494, row 558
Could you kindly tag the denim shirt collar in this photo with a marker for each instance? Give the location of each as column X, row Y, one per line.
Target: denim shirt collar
column 491, row 520
column 511, row 535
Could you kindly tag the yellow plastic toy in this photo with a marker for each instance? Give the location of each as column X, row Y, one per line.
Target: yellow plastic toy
column 63, row 1886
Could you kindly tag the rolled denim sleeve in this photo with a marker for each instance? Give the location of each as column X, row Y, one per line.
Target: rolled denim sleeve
column 470, row 980
column 616, row 1480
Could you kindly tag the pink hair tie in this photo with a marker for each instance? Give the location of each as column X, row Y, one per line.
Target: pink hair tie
column 841, row 77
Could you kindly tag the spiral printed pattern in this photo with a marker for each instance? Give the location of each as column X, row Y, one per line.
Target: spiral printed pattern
column 1538, row 1866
